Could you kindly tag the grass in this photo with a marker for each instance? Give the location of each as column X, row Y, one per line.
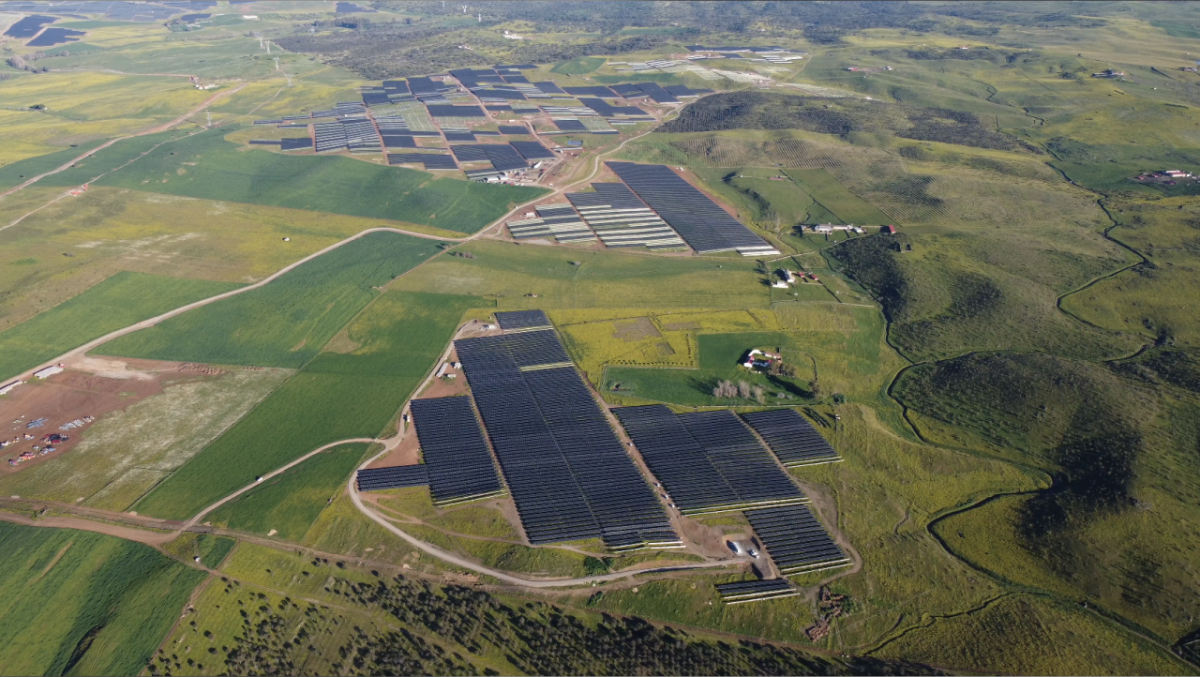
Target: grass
column 212, row 550
column 844, row 344
column 1122, row 454
column 80, row 241
column 1152, row 300
column 337, row 396
column 119, row 301
column 580, row 66
column 16, row 173
column 127, row 452
column 1027, row 635
column 288, row 504
column 76, row 602
column 792, row 197
column 208, row 167
column 527, row 276
column 287, row 322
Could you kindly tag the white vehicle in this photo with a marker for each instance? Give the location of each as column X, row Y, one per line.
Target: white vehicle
column 737, row 549
column 753, row 553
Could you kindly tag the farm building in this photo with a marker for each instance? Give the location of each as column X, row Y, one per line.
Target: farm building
column 758, row 359
column 8, row 387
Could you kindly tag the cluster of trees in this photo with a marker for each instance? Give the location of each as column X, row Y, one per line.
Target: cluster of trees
column 762, row 110
column 24, row 61
column 537, row 638
column 378, row 50
column 727, row 389
column 871, row 262
column 771, row 110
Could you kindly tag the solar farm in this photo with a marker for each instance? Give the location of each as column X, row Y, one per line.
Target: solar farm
column 532, row 431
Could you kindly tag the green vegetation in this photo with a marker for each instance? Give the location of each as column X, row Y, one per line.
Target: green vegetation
column 443, row 628
column 286, row 505
column 287, row 322
column 208, row 167
column 212, row 550
column 389, row 349
column 115, row 303
column 16, row 173
column 580, row 66
column 1122, row 457
column 76, row 602
column 525, row 276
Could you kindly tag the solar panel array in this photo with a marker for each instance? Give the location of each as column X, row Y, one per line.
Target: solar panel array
column 458, row 136
column 532, row 150
column 503, row 156
column 795, row 540
column 620, row 219
column 707, row 462
column 792, row 438
column 700, row 221
column 512, row 130
column 452, row 111
column 755, row 591
column 428, row 160
column 398, row 477
column 514, row 321
column 557, row 221
column 565, row 468
column 454, row 449
column 596, row 91
column 301, row 143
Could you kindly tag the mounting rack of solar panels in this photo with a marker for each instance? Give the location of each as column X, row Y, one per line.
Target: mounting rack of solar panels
column 568, row 474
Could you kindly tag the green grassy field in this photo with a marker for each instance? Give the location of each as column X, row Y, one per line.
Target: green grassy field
column 208, row 167
column 389, row 349
column 212, row 550
column 287, row 322
column 16, row 173
column 76, row 602
column 119, row 301
column 288, row 504
column 524, row 276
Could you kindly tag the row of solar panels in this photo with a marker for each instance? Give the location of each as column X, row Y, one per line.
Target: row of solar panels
column 700, row 221
column 707, row 461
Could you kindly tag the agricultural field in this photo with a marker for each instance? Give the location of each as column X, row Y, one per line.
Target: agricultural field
column 287, row 322
column 524, row 276
column 353, row 389
column 115, row 303
column 77, row 602
column 288, row 504
column 206, row 166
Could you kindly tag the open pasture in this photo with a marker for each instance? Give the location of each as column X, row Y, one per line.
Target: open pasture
column 117, row 302
column 840, row 345
column 529, row 276
column 355, row 392
column 81, row 603
column 75, row 243
column 287, row 322
column 288, row 504
column 208, row 167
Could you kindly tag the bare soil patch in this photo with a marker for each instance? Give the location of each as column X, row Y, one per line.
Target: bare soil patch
column 89, row 388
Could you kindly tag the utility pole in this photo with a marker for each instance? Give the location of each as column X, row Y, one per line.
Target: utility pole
column 276, row 63
column 209, row 114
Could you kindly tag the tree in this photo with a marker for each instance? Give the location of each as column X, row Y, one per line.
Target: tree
column 743, row 389
column 814, row 388
column 725, row 389
column 759, row 394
